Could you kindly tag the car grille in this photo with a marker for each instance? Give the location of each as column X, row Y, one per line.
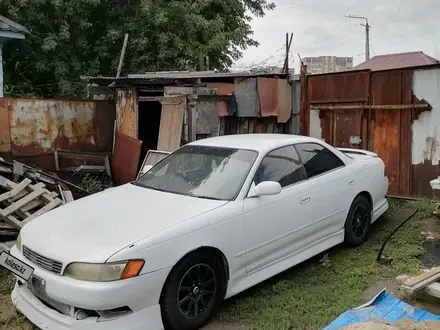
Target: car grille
column 43, row 262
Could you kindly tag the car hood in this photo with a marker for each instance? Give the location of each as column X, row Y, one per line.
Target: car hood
column 94, row 228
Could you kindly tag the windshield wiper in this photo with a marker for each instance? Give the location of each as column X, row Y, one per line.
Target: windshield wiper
column 148, row 187
column 206, row 197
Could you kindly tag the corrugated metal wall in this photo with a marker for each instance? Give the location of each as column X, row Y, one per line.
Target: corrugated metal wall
column 339, row 110
column 37, row 127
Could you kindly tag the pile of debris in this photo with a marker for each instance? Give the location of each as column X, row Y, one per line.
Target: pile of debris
column 27, row 192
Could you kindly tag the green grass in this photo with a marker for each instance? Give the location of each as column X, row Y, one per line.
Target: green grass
column 312, row 294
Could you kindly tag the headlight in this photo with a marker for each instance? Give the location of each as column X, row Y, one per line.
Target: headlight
column 18, row 242
column 104, row 272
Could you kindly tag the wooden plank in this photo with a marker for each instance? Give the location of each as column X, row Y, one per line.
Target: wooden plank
column 32, row 205
column 56, row 202
column 23, row 193
column 5, row 226
column 419, row 282
column 433, row 289
column 15, row 190
column 20, row 203
column 68, row 197
column 11, row 220
column 171, row 123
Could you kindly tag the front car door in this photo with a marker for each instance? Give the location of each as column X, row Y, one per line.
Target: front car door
column 275, row 224
column 332, row 188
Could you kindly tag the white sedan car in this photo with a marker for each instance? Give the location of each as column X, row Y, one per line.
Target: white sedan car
column 212, row 219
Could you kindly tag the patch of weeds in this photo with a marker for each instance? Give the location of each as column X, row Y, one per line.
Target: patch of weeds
column 7, row 282
column 94, row 184
column 426, row 207
column 311, row 295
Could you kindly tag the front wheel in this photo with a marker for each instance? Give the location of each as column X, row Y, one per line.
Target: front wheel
column 358, row 221
column 193, row 292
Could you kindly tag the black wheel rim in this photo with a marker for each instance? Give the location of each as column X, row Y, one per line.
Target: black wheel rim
column 197, row 290
column 360, row 220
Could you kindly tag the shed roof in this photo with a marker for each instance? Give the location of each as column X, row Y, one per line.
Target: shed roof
column 11, row 30
column 397, row 61
column 166, row 77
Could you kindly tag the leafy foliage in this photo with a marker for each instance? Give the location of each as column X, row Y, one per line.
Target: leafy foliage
column 70, row 38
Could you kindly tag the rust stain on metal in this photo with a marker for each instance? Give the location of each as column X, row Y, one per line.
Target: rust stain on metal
column 392, row 134
column 41, row 126
column 347, row 124
column 126, row 112
column 5, row 132
column 125, row 160
column 384, row 131
column 338, row 88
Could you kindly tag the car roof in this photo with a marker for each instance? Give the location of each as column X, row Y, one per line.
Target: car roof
column 259, row 142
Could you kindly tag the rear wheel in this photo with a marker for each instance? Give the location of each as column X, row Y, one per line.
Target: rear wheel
column 193, row 292
column 358, row 221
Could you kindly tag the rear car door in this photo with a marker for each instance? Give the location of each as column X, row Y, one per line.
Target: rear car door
column 275, row 224
column 332, row 188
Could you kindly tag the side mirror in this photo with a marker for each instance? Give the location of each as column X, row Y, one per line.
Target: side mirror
column 267, row 188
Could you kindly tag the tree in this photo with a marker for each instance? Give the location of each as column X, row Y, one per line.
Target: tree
column 70, row 38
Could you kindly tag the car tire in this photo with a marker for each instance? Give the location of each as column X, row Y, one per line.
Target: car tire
column 358, row 221
column 193, row 292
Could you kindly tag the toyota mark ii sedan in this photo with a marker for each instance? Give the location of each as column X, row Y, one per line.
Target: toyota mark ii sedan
column 210, row 220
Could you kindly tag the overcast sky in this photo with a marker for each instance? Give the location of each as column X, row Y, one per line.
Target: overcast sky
column 321, row 28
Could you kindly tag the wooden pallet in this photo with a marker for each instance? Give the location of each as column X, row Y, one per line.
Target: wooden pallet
column 23, row 202
column 427, row 282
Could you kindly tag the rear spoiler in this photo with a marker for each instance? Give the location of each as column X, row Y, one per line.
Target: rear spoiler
column 358, row 152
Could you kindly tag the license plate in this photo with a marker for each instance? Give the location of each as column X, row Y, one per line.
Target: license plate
column 16, row 266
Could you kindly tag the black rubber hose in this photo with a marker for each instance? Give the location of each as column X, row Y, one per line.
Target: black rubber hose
column 393, row 232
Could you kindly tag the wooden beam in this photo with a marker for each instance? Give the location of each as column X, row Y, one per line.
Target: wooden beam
column 372, row 107
column 422, row 281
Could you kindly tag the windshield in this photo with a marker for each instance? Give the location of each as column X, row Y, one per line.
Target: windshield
column 201, row 171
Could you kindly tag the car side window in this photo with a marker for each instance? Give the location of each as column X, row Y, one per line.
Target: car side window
column 281, row 165
column 317, row 159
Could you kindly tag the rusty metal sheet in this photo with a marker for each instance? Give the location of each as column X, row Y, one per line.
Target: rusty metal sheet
column 126, row 112
column 125, row 160
column 41, row 126
column 339, row 87
column 390, row 127
column 5, row 132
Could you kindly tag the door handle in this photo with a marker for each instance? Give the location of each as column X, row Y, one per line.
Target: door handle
column 304, row 200
column 352, row 182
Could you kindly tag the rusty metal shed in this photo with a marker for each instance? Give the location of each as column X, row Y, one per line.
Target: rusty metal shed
column 394, row 113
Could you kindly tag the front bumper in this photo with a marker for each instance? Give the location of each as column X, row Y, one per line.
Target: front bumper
column 49, row 319
column 141, row 295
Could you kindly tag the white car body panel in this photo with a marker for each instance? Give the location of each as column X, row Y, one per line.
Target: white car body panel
column 258, row 237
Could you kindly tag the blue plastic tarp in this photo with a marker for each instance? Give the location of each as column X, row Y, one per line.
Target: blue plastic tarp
column 383, row 307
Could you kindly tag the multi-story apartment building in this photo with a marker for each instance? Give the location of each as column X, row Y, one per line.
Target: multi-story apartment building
column 324, row 64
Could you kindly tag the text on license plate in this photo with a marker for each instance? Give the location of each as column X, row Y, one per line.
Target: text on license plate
column 16, row 266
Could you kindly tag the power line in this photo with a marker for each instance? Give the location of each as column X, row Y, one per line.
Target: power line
column 389, row 18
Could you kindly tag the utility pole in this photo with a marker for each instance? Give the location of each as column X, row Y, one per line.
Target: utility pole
column 367, row 34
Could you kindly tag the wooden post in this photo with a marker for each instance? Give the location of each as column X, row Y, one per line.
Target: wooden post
column 121, row 59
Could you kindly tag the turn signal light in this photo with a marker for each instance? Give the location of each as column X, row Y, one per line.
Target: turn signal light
column 132, row 269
